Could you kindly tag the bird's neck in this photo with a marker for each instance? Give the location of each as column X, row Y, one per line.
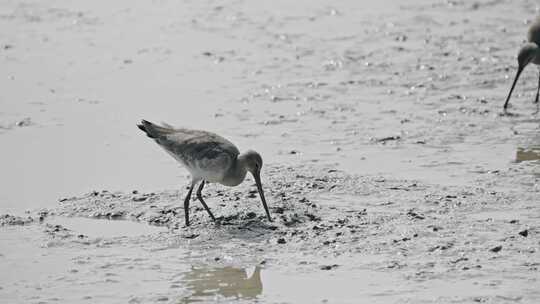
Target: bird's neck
column 236, row 173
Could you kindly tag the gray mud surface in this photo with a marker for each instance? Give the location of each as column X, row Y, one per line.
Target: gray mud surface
column 474, row 243
column 391, row 172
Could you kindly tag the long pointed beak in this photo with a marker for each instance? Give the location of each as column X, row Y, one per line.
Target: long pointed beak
column 520, row 69
column 257, row 176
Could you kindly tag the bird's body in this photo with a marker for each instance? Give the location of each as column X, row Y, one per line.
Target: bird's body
column 529, row 53
column 208, row 157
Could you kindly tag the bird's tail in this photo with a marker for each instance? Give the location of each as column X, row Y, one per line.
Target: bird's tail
column 152, row 130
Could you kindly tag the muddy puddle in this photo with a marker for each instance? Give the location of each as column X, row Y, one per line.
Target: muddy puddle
column 391, row 171
column 50, row 263
column 256, row 283
column 528, row 154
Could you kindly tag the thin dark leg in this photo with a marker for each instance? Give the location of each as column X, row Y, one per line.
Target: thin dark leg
column 537, row 93
column 186, row 203
column 538, row 89
column 199, row 196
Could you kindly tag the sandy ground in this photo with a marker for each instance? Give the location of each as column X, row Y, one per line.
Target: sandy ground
column 391, row 172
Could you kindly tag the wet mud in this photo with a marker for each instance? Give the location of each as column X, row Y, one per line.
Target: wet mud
column 329, row 221
column 391, row 172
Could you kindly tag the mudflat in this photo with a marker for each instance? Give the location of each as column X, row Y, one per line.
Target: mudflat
column 390, row 169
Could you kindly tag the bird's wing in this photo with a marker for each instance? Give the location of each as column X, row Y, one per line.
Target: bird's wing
column 198, row 144
column 206, row 149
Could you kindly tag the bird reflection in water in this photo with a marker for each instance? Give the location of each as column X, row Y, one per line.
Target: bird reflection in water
column 228, row 282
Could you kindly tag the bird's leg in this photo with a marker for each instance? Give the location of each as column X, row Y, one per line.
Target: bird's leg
column 199, row 196
column 538, row 89
column 537, row 93
column 186, row 203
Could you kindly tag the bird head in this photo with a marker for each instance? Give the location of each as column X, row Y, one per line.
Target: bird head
column 253, row 162
column 527, row 53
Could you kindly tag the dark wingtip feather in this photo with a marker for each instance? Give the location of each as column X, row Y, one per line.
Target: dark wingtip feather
column 146, row 127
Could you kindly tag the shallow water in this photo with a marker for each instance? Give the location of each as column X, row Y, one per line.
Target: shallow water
column 37, row 268
column 407, row 95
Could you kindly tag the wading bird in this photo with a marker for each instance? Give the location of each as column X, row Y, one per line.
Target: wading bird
column 530, row 52
column 208, row 157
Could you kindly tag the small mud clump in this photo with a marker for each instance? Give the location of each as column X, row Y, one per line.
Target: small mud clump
column 524, row 233
column 329, row 267
column 13, row 220
column 496, row 248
